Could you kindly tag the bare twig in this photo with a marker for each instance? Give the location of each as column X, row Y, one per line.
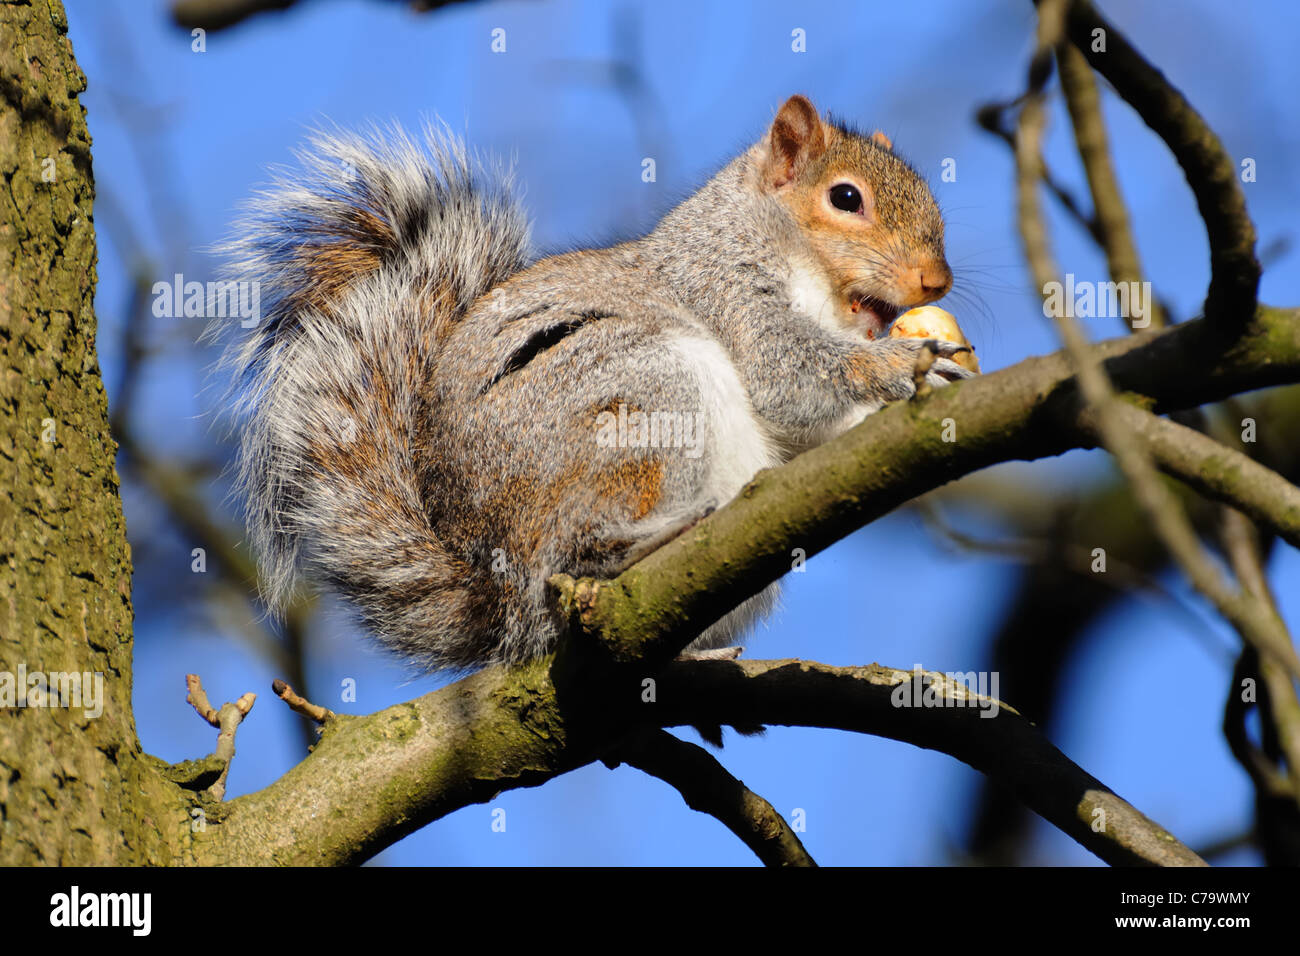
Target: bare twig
column 197, row 698
column 226, row 720
column 300, row 705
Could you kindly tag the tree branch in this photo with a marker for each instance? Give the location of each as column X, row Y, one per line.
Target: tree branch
column 1215, row 470
column 1280, row 709
column 706, row 786
column 867, row 700
column 502, row 729
column 652, row 610
column 1210, row 170
column 220, row 14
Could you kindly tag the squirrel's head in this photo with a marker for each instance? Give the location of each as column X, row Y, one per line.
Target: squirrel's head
column 872, row 225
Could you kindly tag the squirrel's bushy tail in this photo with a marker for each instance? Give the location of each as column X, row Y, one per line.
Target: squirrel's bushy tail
column 364, row 260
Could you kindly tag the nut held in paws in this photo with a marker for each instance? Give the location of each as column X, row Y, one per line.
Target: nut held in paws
column 932, row 322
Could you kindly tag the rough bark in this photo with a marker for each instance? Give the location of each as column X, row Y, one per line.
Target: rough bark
column 66, row 565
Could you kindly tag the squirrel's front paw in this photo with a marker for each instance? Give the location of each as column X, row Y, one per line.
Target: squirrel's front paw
column 944, row 369
column 898, row 358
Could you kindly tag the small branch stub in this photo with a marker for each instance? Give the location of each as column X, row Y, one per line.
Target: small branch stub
column 299, row 704
column 226, row 720
column 198, row 699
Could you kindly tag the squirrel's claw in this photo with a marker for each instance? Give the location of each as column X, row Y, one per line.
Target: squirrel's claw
column 946, row 370
column 943, row 348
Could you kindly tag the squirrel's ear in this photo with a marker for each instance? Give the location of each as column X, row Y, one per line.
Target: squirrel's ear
column 796, row 139
column 880, row 139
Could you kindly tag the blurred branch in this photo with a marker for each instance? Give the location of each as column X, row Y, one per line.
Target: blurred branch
column 1226, row 845
column 1030, row 168
column 990, row 117
column 1268, row 779
column 1109, row 211
column 173, row 487
column 1046, row 604
column 1210, row 170
column 1280, row 709
column 216, row 15
column 220, row 14
column 706, row 786
column 1253, row 617
column 1257, row 683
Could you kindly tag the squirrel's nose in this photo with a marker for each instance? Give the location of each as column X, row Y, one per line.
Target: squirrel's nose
column 934, row 279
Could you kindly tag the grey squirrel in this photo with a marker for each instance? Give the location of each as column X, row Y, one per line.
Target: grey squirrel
column 434, row 427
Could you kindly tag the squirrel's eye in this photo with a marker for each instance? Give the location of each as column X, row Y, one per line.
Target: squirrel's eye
column 846, row 197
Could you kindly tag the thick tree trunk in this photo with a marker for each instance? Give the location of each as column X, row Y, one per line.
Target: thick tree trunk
column 66, row 775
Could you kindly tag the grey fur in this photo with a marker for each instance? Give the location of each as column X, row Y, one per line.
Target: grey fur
column 428, row 441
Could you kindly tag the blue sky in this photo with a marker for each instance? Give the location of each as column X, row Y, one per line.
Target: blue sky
column 181, row 137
